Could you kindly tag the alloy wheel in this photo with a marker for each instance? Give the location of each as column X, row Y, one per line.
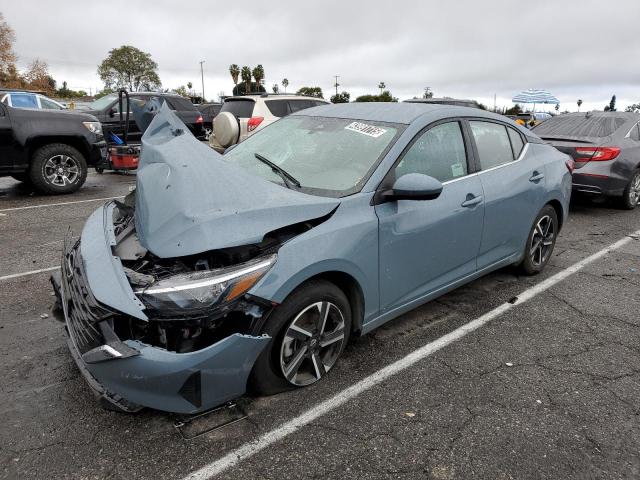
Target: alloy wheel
column 542, row 240
column 312, row 343
column 61, row 170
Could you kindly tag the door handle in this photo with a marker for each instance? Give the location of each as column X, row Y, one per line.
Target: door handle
column 471, row 200
column 536, row 177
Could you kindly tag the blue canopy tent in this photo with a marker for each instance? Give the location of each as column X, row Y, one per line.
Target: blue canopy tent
column 534, row 96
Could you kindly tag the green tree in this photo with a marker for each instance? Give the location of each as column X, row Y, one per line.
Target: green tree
column 240, row 89
column 8, row 58
column 275, row 88
column 381, row 86
column 285, row 84
column 612, row 104
column 557, row 107
column 182, row 91
column 234, row 70
column 341, row 98
column 579, row 102
column 130, row 68
column 385, row 96
column 635, row 107
column 515, row 110
column 246, row 78
column 310, row 92
column 258, row 74
column 428, row 93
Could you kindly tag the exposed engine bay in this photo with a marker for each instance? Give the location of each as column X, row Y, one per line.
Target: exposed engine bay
column 195, row 300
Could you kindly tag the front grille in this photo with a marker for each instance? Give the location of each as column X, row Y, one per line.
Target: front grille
column 83, row 313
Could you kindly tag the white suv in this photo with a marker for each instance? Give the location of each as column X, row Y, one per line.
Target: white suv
column 240, row 117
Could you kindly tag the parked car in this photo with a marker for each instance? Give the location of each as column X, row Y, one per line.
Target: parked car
column 208, row 112
column 254, row 268
column 51, row 149
column 242, row 116
column 20, row 99
column 605, row 147
column 107, row 110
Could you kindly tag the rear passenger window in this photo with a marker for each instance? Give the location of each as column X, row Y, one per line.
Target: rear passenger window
column 297, row 105
column 635, row 133
column 439, row 152
column 492, row 142
column 516, row 142
column 182, row 104
column 278, row 108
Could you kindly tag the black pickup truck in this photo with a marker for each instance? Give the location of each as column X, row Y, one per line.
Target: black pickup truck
column 51, row 149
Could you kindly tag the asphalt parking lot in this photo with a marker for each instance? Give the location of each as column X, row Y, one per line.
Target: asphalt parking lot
column 547, row 389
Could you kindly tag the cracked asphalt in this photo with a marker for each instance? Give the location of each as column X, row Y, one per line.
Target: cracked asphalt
column 548, row 390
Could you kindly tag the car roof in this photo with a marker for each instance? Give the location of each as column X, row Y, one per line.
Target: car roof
column 596, row 113
column 274, row 96
column 392, row 112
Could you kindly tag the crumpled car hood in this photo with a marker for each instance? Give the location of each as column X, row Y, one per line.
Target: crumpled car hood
column 190, row 200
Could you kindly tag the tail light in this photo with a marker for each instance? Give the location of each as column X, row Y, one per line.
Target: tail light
column 253, row 123
column 199, row 119
column 571, row 165
column 596, row 154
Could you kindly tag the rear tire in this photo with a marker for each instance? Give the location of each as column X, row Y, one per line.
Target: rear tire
column 302, row 308
column 540, row 242
column 57, row 168
column 631, row 196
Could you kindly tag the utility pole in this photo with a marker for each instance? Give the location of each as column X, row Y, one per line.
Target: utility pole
column 202, row 76
column 337, row 84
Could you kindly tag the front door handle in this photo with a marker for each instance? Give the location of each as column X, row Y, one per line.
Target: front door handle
column 536, row 177
column 471, row 200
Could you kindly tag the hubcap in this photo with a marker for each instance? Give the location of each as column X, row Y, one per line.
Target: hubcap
column 634, row 191
column 542, row 241
column 312, row 343
column 61, row 170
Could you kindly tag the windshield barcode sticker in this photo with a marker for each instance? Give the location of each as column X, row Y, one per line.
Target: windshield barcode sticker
column 369, row 130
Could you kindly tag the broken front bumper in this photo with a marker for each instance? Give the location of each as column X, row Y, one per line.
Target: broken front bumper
column 128, row 374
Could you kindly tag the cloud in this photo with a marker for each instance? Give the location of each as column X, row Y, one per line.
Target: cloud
column 575, row 48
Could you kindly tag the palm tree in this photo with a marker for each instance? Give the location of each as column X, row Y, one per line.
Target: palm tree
column 285, row 84
column 234, row 70
column 275, row 88
column 381, row 86
column 246, row 78
column 579, row 102
column 258, row 74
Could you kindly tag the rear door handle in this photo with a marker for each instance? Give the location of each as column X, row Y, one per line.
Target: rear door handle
column 536, row 177
column 471, row 200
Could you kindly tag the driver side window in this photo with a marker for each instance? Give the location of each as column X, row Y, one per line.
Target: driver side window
column 439, row 152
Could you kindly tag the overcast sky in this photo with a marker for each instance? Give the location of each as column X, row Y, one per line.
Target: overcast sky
column 588, row 49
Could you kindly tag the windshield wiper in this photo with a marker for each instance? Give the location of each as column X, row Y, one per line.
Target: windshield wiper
column 287, row 178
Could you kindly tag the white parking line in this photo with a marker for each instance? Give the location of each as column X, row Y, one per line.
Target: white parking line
column 32, row 272
column 58, row 204
column 251, row 448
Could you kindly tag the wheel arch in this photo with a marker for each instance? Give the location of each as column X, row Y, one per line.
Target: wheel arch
column 557, row 206
column 78, row 143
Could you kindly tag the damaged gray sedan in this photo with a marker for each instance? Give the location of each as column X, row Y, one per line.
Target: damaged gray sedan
column 251, row 270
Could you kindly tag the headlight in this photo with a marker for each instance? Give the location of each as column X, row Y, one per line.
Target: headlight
column 93, row 127
column 206, row 288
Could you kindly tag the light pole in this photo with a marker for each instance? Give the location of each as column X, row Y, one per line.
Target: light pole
column 337, row 84
column 202, row 76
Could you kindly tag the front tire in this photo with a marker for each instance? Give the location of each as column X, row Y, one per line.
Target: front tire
column 631, row 196
column 57, row 168
column 309, row 332
column 540, row 242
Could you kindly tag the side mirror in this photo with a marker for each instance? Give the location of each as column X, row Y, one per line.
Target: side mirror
column 414, row 186
column 112, row 112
